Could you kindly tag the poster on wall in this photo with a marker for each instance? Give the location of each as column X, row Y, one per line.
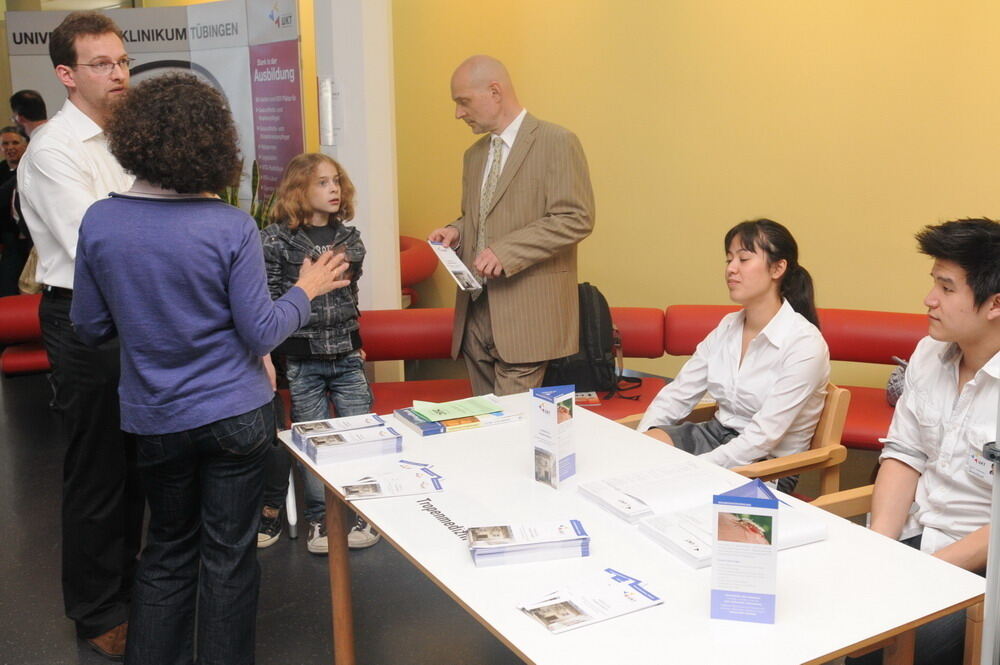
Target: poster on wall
column 247, row 50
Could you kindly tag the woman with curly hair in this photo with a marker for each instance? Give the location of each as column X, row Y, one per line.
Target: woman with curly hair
column 178, row 276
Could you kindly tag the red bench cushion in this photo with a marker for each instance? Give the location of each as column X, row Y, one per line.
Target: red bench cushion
column 392, row 395
column 24, row 359
column 868, row 418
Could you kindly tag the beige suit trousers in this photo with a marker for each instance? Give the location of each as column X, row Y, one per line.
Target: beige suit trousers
column 487, row 370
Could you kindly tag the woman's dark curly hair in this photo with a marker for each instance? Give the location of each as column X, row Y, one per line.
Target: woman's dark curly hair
column 176, row 132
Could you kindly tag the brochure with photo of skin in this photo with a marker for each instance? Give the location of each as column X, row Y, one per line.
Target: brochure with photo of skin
column 527, row 542
column 303, row 430
column 744, row 556
column 600, row 596
column 459, row 271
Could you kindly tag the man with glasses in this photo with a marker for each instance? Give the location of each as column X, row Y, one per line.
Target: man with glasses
column 67, row 168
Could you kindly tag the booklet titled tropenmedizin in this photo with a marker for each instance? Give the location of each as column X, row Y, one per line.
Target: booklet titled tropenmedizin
column 596, row 597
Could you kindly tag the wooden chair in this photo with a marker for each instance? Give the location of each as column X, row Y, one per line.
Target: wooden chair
column 858, row 501
column 825, row 453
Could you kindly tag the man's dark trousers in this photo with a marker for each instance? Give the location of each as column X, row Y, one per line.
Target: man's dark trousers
column 102, row 503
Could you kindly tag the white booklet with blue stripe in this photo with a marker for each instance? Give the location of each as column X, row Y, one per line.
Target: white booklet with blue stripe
column 523, row 543
column 600, row 596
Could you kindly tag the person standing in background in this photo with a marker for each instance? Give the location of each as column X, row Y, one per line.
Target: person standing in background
column 29, row 112
column 526, row 203
column 16, row 243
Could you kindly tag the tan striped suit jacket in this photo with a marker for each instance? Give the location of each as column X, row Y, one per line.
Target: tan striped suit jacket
column 542, row 207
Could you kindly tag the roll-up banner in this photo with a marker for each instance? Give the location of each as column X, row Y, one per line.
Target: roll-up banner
column 248, row 50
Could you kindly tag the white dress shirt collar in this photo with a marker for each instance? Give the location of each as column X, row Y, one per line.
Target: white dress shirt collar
column 952, row 354
column 510, row 131
column 81, row 124
column 781, row 324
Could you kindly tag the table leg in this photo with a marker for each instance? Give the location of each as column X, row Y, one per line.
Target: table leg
column 340, row 581
column 974, row 634
column 899, row 651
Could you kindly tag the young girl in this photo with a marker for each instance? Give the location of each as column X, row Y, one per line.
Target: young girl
column 767, row 365
column 323, row 359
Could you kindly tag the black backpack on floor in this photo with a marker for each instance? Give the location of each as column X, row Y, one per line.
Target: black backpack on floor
column 597, row 366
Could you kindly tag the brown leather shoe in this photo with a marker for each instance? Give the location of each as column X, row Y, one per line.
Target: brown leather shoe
column 111, row 644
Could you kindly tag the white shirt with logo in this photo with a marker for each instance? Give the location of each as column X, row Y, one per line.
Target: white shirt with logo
column 940, row 431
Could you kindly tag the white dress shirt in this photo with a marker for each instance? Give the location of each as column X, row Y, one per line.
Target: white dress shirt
column 507, row 137
column 66, row 168
column 773, row 398
column 940, row 432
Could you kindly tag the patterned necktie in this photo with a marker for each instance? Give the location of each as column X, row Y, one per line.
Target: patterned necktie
column 489, row 187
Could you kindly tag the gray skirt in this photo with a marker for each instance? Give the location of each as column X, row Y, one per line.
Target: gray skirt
column 700, row 438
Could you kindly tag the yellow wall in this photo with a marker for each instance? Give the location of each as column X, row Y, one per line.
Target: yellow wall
column 854, row 123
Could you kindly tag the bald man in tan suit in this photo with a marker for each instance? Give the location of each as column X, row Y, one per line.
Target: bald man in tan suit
column 526, row 203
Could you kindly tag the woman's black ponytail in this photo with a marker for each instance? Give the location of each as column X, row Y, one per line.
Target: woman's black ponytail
column 778, row 243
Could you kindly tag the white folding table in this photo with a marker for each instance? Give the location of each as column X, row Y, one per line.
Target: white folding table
column 854, row 589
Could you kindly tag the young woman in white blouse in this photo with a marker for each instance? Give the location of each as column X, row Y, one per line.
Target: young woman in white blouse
column 767, row 365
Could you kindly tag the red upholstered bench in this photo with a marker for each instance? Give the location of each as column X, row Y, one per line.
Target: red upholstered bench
column 419, row 334
column 21, row 331
column 410, row 334
column 852, row 335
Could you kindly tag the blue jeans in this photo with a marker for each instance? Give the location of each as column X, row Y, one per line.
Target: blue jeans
column 204, row 488
column 313, row 383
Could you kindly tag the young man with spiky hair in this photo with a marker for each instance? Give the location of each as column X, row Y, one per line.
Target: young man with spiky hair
column 933, row 455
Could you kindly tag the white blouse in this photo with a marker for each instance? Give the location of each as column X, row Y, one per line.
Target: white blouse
column 774, row 398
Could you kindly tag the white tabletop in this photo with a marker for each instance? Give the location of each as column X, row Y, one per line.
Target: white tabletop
column 831, row 594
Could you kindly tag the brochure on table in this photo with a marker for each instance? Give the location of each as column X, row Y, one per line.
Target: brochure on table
column 638, row 494
column 301, row 431
column 527, row 542
column 551, row 423
column 406, row 478
column 689, row 533
column 341, row 439
column 744, row 557
column 459, row 271
column 413, row 420
column 599, row 596
column 459, row 408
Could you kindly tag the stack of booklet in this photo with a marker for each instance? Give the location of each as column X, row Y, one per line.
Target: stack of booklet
column 341, row 439
column 689, row 533
column 428, row 418
column 524, row 543
column 633, row 496
column 673, row 506
column 597, row 597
